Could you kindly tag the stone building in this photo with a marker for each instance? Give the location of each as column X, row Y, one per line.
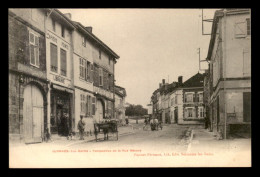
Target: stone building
column 229, row 77
column 120, row 94
column 28, row 85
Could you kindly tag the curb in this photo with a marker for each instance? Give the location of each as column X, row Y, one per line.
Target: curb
column 92, row 139
column 190, row 141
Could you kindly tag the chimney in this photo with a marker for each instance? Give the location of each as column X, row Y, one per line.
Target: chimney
column 89, row 28
column 163, row 81
column 160, row 85
column 180, row 79
column 68, row 15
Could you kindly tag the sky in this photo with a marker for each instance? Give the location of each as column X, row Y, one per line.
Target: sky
column 153, row 44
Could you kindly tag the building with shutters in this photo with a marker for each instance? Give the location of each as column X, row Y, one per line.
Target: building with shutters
column 28, row 84
column 59, row 60
column 229, row 75
column 120, row 107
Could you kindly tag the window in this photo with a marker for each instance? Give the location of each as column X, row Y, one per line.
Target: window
column 200, row 97
column 83, row 41
column 88, row 67
column 82, row 68
column 54, row 58
column 189, row 112
column 201, row 112
column 248, row 26
column 62, row 31
column 99, row 56
column 53, row 25
column 93, row 105
column 100, row 77
column 189, row 97
column 82, row 103
column 34, row 49
column 176, row 99
column 63, row 62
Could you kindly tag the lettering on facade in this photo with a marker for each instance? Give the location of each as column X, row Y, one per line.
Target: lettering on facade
column 103, row 92
column 65, row 45
column 59, row 79
column 49, row 36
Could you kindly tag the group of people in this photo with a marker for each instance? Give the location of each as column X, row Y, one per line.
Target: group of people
column 154, row 123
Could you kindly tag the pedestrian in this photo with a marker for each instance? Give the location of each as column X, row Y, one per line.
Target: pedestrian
column 81, row 127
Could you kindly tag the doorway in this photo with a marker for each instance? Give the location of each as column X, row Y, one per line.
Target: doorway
column 100, row 111
column 176, row 115
column 33, row 125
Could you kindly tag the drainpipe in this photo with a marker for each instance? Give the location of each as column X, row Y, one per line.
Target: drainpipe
column 224, row 79
column 47, row 74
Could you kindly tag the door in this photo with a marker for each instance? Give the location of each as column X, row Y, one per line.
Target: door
column 33, row 114
column 99, row 111
column 176, row 115
column 247, row 106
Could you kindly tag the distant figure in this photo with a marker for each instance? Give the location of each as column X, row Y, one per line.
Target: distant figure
column 81, row 127
column 126, row 121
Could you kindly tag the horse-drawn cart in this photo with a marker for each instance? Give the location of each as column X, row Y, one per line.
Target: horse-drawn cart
column 106, row 128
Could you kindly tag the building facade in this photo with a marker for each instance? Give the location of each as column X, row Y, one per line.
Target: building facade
column 28, row 84
column 58, row 70
column 229, row 76
column 120, row 95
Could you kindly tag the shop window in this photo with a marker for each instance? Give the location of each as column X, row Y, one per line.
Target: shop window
column 63, row 62
column 34, row 49
column 54, row 58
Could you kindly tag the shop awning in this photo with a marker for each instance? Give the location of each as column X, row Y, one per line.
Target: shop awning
column 63, row 88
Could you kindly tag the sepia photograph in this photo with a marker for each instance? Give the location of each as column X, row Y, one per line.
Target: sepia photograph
column 129, row 88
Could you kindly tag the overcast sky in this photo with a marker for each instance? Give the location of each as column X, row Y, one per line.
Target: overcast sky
column 153, row 44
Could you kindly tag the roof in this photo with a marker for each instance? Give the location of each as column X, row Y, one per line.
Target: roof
column 218, row 14
column 118, row 89
column 195, row 81
column 95, row 38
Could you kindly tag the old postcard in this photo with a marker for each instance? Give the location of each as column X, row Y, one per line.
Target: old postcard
column 102, row 88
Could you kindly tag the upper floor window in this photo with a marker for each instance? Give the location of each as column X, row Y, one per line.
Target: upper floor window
column 34, row 49
column 248, row 26
column 100, row 77
column 82, row 68
column 62, row 31
column 189, row 112
column 200, row 97
column 54, row 58
column 63, row 62
column 83, row 41
column 99, row 54
column 53, row 25
column 189, row 97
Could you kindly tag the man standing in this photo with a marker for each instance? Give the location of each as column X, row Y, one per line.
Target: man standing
column 81, row 127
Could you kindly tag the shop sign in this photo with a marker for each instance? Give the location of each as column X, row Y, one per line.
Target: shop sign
column 103, row 92
column 59, row 79
column 49, row 36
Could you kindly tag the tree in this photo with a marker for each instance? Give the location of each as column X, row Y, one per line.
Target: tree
column 135, row 110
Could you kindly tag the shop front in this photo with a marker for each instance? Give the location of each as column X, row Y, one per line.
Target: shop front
column 61, row 116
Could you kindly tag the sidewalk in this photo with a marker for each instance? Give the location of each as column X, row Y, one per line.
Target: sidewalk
column 62, row 141
column 203, row 140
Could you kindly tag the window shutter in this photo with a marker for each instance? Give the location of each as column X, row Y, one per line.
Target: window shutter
column 54, row 61
column 37, row 50
column 246, row 63
column 240, row 29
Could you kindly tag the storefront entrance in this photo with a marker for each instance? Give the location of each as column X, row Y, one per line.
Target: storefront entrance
column 33, row 114
column 60, row 113
column 100, row 111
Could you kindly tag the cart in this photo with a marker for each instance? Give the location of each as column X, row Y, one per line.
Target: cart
column 106, row 128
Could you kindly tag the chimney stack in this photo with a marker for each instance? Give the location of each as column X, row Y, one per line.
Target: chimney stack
column 89, row 28
column 163, row 81
column 68, row 15
column 160, row 85
column 180, row 79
